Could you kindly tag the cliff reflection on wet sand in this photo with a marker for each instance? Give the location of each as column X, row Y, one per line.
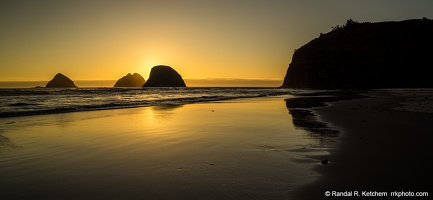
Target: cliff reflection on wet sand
column 304, row 118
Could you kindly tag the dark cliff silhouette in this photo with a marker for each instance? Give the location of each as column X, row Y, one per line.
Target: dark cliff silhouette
column 164, row 76
column 365, row 56
column 130, row 80
column 60, row 81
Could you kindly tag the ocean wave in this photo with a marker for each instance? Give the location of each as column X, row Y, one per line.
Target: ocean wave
column 38, row 101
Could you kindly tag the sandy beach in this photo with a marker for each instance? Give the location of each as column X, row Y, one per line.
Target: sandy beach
column 385, row 146
column 255, row 148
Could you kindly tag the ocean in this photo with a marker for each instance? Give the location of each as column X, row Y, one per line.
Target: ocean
column 37, row 101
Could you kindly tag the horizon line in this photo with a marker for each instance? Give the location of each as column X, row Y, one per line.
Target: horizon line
column 205, row 82
column 245, row 79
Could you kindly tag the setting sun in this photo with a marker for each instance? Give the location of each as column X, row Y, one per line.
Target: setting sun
column 147, row 65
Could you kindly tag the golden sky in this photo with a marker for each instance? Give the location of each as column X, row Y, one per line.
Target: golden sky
column 226, row 39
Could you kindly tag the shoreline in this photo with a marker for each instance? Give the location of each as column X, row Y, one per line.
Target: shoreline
column 384, row 146
column 237, row 149
column 31, row 101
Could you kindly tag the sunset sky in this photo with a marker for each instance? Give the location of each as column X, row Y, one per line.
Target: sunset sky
column 105, row 40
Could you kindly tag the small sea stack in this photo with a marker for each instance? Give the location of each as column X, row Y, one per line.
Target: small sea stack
column 60, row 81
column 130, row 80
column 164, row 76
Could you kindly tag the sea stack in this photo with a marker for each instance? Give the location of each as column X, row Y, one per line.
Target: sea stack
column 164, row 76
column 60, row 81
column 366, row 56
column 130, row 80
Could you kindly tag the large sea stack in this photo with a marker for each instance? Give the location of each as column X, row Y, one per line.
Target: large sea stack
column 164, row 76
column 60, row 81
column 130, row 80
column 364, row 56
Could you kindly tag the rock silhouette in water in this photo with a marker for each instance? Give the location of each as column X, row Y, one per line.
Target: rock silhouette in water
column 60, row 81
column 324, row 162
column 365, row 56
column 164, row 76
column 130, row 80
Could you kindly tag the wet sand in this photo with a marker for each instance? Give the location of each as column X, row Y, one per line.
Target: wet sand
column 238, row 149
column 385, row 145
